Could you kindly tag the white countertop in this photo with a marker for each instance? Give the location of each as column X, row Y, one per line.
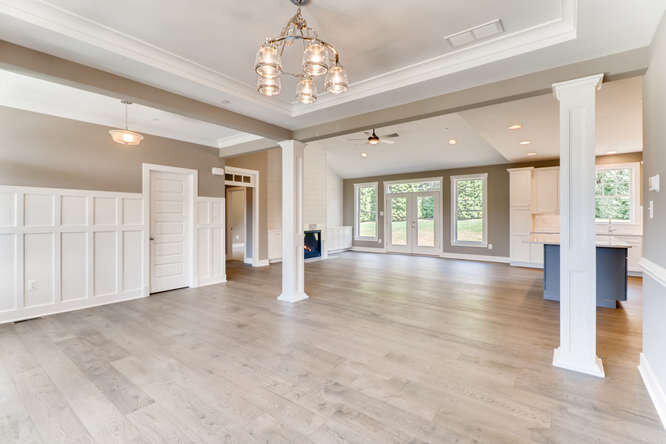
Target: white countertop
column 554, row 239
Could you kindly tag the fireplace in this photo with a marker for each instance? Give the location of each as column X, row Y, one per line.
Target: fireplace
column 312, row 244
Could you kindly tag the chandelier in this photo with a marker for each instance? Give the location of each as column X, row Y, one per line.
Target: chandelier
column 319, row 58
column 125, row 136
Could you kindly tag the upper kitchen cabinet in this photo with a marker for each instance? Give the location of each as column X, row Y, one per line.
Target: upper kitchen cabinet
column 520, row 188
column 546, row 190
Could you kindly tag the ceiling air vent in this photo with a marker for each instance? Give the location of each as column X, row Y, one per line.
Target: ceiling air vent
column 476, row 33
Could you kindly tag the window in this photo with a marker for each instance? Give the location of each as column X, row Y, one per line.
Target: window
column 615, row 193
column 413, row 187
column 469, row 224
column 365, row 211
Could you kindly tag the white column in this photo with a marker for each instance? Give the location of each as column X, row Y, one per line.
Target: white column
column 578, row 287
column 293, row 282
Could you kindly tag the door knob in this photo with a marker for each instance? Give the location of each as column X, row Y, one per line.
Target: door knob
column 152, row 238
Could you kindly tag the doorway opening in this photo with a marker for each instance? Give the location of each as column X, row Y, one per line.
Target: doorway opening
column 242, row 215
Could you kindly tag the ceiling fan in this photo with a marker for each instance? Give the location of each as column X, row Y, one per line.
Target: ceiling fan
column 374, row 139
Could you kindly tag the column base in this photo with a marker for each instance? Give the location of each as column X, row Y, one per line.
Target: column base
column 291, row 298
column 595, row 368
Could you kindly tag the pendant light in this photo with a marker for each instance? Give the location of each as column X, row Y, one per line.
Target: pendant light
column 125, row 136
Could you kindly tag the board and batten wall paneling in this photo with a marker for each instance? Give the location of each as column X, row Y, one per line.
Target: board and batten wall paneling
column 62, row 250
column 211, row 267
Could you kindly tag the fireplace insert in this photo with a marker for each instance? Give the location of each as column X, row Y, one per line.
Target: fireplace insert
column 312, row 244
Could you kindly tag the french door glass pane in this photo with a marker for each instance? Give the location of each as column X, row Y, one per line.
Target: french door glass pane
column 426, row 220
column 399, row 221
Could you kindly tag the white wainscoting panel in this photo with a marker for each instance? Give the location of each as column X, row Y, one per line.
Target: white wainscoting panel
column 63, row 250
column 211, row 267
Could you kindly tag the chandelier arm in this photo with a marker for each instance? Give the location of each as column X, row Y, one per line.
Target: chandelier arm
column 282, row 39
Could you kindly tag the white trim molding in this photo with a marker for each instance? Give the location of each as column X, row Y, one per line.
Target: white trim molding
column 454, row 207
column 211, row 229
column 475, row 257
column 655, row 390
column 129, row 48
column 655, row 271
column 368, row 250
column 357, row 227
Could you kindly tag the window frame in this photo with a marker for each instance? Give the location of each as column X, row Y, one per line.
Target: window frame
column 387, row 184
column 634, row 191
column 357, row 232
column 454, row 209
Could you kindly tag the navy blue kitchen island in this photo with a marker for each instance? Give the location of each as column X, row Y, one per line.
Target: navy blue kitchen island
column 611, row 274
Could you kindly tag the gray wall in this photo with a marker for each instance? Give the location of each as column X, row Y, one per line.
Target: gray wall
column 654, row 245
column 46, row 151
column 498, row 201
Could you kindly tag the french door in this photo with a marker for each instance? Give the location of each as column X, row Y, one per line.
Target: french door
column 413, row 222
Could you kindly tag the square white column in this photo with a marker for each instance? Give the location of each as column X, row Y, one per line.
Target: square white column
column 293, row 281
column 578, row 253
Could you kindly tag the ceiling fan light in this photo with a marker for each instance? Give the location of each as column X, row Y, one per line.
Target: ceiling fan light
column 306, row 91
column 269, row 86
column 336, row 80
column 267, row 63
column 315, row 59
column 125, row 137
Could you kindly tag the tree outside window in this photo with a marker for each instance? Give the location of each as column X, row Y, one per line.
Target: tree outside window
column 469, row 210
column 613, row 194
column 366, row 208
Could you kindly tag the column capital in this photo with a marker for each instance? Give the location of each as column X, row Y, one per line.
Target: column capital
column 291, row 142
column 593, row 82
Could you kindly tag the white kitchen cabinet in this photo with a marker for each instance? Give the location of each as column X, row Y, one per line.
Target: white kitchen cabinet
column 520, row 249
column 536, row 254
column 520, row 187
column 546, row 190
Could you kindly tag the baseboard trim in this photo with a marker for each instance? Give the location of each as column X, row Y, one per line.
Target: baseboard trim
column 655, row 271
column 526, row 264
column 261, row 263
column 81, row 304
column 655, row 390
column 247, row 260
column 475, row 257
column 369, row 249
column 215, row 281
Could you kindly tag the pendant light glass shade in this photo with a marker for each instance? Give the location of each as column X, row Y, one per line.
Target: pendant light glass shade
column 315, row 59
column 336, row 80
column 269, row 86
column 125, row 136
column 306, row 91
column 268, row 63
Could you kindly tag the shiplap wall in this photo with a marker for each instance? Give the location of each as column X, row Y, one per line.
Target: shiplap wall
column 62, row 250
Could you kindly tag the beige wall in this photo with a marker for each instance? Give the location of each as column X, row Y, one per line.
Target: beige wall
column 654, row 244
column 498, row 202
column 46, row 151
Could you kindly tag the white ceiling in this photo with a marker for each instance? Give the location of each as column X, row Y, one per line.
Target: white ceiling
column 394, row 51
column 483, row 137
column 422, row 146
column 31, row 94
column 619, row 122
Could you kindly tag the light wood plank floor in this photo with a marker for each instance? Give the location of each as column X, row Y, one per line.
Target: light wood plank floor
column 387, row 349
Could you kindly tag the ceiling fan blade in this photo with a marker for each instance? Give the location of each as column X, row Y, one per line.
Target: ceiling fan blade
column 390, row 142
column 392, row 135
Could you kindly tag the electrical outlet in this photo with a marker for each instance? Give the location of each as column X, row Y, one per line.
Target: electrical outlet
column 32, row 285
column 490, row 246
column 651, row 209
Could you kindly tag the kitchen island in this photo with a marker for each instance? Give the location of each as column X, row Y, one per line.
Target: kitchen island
column 611, row 273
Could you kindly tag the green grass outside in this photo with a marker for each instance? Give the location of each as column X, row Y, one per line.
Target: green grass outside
column 470, row 230
column 426, row 233
column 368, row 229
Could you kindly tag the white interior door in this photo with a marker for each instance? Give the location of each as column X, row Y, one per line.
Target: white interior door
column 170, row 195
column 236, row 223
column 413, row 222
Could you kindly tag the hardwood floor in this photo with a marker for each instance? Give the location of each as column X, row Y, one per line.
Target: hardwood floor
column 387, row 349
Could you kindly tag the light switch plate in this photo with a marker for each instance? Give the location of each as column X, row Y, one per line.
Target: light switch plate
column 653, row 183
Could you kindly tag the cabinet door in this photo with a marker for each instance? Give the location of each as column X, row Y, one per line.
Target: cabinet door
column 634, row 253
column 347, row 237
column 520, row 189
column 546, row 192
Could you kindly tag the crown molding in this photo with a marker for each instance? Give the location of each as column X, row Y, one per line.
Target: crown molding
column 236, row 139
column 53, row 18
column 47, row 16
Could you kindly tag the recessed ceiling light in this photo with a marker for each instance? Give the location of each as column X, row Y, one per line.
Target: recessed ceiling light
column 611, row 152
column 515, row 126
column 531, row 154
column 364, row 154
column 525, row 142
column 452, row 141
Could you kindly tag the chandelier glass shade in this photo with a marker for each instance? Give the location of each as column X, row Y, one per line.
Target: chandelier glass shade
column 319, row 58
column 125, row 136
